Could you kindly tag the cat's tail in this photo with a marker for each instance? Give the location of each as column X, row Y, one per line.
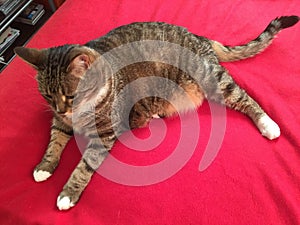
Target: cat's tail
column 227, row 53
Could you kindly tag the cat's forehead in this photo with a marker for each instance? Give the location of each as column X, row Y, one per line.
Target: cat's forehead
column 56, row 87
column 56, row 83
column 59, row 57
column 63, row 67
column 54, row 70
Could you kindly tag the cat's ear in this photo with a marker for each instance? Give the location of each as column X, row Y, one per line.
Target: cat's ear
column 79, row 65
column 34, row 57
column 82, row 59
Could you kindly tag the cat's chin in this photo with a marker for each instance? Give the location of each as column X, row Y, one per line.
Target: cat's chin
column 66, row 117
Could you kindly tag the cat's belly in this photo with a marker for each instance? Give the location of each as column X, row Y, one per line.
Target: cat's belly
column 192, row 98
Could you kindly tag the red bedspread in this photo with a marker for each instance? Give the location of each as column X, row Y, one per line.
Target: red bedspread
column 251, row 181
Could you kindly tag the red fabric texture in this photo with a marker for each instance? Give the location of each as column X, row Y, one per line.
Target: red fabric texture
column 251, row 181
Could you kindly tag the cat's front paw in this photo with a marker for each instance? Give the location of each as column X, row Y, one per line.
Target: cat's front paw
column 41, row 175
column 44, row 170
column 268, row 127
column 64, row 203
column 67, row 198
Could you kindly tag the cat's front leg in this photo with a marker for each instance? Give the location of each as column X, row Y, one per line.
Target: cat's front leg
column 60, row 135
column 94, row 155
column 73, row 189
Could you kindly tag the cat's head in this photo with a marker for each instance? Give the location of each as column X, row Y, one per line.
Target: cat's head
column 59, row 71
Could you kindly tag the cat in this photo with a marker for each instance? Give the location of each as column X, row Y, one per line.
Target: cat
column 61, row 69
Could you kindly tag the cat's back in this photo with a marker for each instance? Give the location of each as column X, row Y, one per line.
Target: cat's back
column 141, row 31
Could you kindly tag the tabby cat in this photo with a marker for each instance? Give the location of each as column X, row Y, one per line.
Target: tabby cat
column 61, row 69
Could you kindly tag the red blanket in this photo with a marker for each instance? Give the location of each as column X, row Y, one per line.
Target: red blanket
column 250, row 181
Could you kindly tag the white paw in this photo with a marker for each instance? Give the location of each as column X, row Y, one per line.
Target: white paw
column 64, row 203
column 40, row 175
column 268, row 127
column 155, row 116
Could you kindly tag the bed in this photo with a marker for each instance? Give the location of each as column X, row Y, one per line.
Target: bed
column 249, row 180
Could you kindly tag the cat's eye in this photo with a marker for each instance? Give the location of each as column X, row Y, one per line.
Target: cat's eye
column 69, row 97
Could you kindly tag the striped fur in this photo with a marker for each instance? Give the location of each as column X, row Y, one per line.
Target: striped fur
column 59, row 139
column 227, row 53
column 60, row 70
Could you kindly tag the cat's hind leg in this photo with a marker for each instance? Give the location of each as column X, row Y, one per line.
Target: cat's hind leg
column 60, row 135
column 237, row 98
